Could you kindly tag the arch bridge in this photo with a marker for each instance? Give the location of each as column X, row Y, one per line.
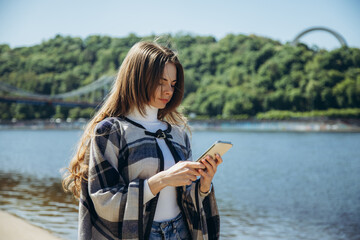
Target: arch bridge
column 340, row 38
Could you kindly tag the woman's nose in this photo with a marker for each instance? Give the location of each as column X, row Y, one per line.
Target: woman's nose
column 168, row 89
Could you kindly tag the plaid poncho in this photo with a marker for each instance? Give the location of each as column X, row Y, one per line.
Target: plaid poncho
column 122, row 156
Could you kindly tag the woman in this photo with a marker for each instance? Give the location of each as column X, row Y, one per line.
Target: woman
column 132, row 171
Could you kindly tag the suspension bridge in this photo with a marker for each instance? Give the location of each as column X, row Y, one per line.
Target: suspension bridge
column 90, row 95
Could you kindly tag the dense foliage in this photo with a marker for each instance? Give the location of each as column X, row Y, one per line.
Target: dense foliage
column 236, row 76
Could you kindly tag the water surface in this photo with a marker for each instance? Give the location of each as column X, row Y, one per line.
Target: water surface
column 272, row 185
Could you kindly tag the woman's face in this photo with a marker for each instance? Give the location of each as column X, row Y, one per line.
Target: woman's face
column 165, row 90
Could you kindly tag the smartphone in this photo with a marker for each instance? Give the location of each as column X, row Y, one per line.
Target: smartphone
column 219, row 147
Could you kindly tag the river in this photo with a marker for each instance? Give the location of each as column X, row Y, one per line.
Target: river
column 272, row 185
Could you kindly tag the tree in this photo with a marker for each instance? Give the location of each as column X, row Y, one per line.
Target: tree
column 237, row 74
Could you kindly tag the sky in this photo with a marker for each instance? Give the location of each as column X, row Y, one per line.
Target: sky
column 29, row 22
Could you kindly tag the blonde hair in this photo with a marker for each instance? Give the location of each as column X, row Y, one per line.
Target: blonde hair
column 135, row 85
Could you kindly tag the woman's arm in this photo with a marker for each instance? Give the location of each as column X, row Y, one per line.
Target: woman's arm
column 115, row 199
column 181, row 174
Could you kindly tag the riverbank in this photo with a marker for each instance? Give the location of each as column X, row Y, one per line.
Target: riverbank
column 303, row 125
column 14, row 228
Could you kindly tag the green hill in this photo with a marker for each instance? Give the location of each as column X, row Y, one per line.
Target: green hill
column 238, row 76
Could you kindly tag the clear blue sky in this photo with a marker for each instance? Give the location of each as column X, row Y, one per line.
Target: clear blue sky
column 29, row 22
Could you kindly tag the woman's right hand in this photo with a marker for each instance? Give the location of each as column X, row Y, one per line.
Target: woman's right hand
column 180, row 174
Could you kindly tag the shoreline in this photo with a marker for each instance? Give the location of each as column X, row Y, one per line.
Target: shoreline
column 13, row 228
column 295, row 125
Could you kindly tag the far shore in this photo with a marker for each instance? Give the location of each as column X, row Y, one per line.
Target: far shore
column 15, row 228
column 297, row 125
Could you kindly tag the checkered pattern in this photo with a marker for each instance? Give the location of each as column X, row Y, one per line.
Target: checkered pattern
column 111, row 203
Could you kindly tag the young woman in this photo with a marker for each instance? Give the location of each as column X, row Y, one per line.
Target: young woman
column 132, row 172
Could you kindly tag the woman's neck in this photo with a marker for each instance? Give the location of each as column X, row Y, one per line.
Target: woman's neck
column 150, row 114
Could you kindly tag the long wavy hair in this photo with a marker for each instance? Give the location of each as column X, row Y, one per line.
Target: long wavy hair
column 135, row 85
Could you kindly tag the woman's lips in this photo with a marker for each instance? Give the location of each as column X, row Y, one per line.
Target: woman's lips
column 164, row 100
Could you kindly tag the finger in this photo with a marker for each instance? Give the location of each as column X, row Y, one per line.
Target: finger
column 192, row 177
column 194, row 164
column 188, row 182
column 209, row 167
column 193, row 171
column 218, row 158
column 204, row 174
column 212, row 162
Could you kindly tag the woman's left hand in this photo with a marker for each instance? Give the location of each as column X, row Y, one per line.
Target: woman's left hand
column 208, row 173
